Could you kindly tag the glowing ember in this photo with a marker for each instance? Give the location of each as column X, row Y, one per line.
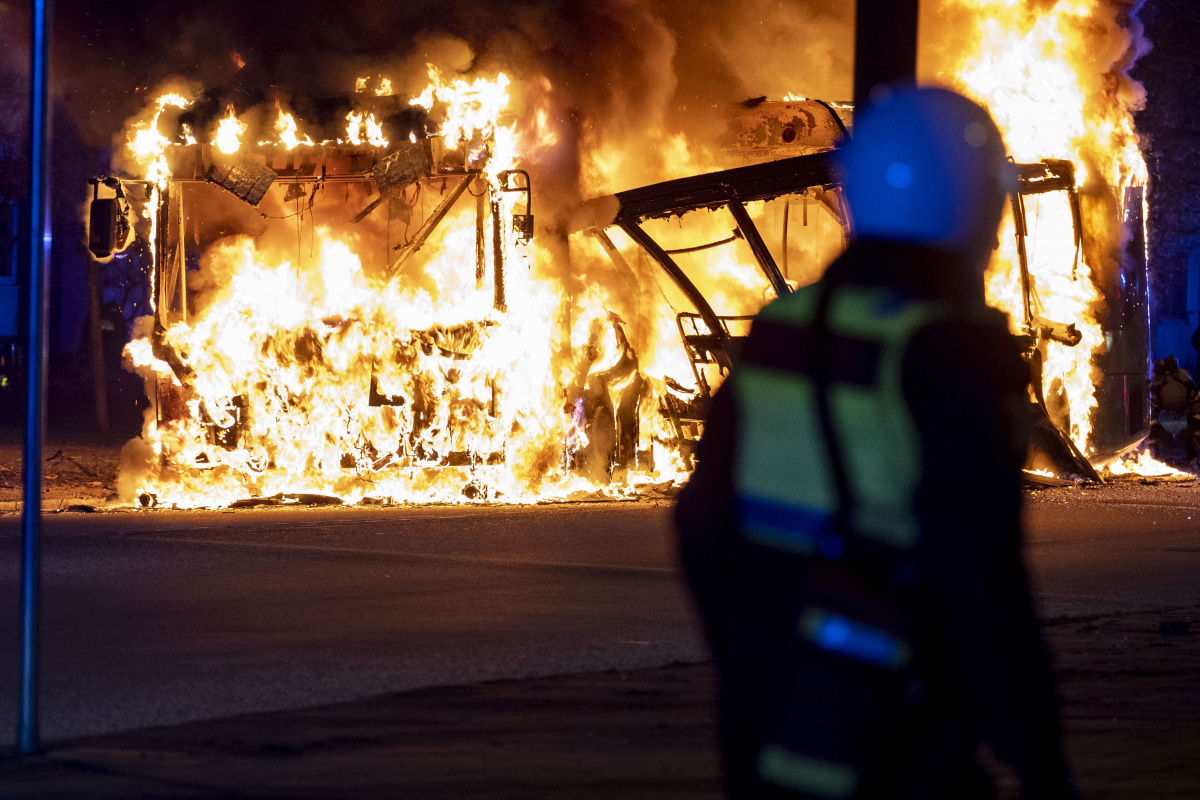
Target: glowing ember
column 1145, row 465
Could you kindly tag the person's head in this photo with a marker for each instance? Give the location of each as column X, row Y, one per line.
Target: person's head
column 927, row 166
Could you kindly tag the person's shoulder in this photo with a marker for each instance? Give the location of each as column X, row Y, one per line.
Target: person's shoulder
column 971, row 326
column 976, row 345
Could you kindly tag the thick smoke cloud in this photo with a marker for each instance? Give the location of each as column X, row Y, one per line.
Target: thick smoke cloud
column 613, row 62
column 615, row 77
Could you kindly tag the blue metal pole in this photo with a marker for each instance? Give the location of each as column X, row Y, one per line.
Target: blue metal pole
column 35, row 415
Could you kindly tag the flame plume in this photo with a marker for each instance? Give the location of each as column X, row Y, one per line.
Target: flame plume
column 148, row 146
column 228, row 138
column 472, row 117
column 1042, row 74
column 288, row 131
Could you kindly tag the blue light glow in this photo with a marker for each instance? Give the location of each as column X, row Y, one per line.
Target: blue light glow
column 837, row 634
column 899, row 175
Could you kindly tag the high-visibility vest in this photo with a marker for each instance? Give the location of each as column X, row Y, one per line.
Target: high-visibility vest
column 785, row 493
column 787, row 497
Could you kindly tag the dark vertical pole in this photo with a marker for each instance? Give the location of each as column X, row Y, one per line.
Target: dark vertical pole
column 885, row 45
column 498, row 255
column 481, row 206
column 99, row 376
column 39, row 270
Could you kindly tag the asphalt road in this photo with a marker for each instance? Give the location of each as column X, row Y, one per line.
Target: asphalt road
column 155, row 618
column 158, row 617
column 1114, row 550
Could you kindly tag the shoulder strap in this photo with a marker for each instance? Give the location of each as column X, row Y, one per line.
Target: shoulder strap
column 822, row 378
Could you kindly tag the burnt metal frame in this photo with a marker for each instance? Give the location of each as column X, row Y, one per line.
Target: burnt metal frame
column 731, row 188
column 735, row 187
column 162, row 243
column 163, row 254
column 1048, row 175
column 701, row 347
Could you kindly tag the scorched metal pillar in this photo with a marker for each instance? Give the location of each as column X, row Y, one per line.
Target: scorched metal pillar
column 885, row 45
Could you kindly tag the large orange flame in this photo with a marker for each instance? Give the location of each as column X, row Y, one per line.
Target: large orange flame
column 286, row 347
column 1036, row 70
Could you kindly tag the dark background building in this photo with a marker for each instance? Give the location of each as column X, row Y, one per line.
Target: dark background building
column 70, row 391
column 1170, row 129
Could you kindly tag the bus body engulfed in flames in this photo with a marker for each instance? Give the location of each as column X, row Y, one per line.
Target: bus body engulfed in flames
column 379, row 357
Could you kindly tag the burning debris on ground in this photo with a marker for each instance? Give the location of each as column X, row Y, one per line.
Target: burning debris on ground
column 357, row 301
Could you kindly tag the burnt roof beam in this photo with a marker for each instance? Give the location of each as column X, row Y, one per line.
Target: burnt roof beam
column 747, row 184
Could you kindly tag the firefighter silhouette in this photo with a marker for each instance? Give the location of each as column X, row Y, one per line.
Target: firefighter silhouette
column 851, row 532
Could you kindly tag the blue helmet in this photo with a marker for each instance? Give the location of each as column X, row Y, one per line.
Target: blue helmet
column 927, row 166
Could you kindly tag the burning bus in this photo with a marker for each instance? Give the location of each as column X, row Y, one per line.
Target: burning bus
column 374, row 313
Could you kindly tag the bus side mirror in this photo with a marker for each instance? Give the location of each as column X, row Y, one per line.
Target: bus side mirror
column 104, row 220
column 109, row 228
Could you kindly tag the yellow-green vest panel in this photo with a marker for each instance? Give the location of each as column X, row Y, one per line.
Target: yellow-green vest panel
column 786, row 494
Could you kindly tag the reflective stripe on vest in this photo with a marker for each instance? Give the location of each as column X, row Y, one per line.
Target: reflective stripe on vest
column 835, row 633
column 786, row 496
column 816, row 776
